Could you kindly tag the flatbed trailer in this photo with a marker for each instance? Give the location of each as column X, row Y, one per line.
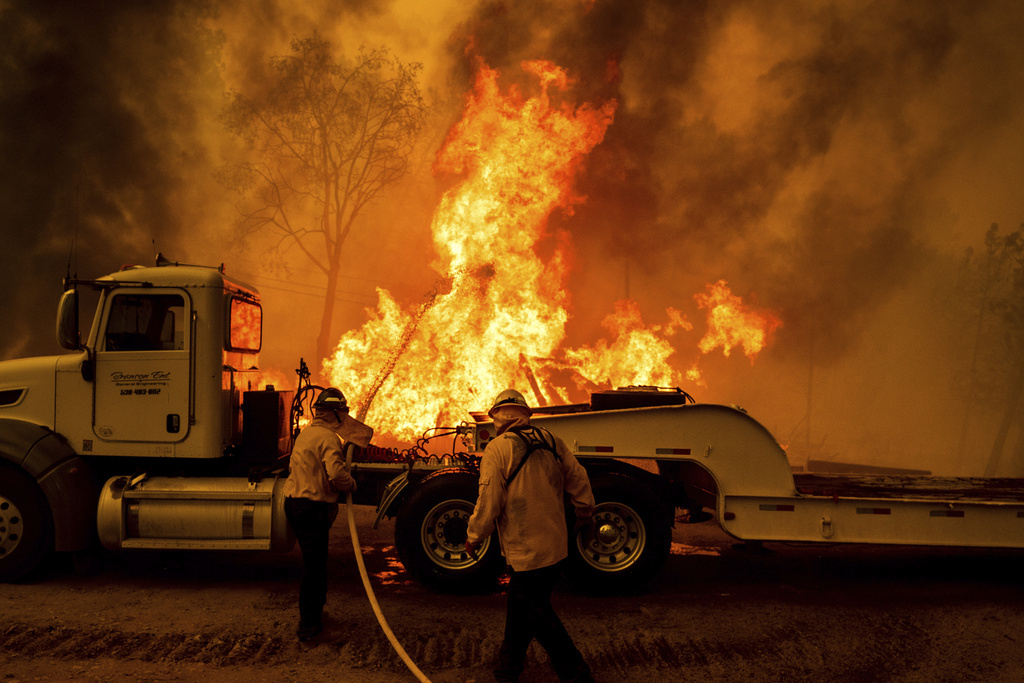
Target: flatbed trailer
column 648, row 462
column 729, row 463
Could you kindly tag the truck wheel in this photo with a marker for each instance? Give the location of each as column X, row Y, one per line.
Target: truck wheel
column 26, row 526
column 629, row 542
column 430, row 536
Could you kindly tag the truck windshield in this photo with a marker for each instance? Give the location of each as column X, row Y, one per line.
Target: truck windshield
column 146, row 322
column 246, row 333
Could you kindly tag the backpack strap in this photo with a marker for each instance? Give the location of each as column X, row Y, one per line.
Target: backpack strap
column 536, row 439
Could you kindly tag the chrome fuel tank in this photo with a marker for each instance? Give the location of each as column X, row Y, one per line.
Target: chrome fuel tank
column 193, row 513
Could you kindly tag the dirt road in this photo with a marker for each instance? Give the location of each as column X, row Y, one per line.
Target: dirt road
column 714, row 614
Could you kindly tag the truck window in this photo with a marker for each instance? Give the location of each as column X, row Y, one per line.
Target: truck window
column 246, row 332
column 146, row 322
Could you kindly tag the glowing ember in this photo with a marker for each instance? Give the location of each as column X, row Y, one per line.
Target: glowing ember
column 683, row 549
column 731, row 323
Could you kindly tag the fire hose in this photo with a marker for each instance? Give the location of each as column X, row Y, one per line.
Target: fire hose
column 366, row 580
column 356, row 433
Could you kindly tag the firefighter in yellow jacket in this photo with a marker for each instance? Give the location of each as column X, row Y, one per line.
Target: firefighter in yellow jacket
column 317, row 473
column 525, row 473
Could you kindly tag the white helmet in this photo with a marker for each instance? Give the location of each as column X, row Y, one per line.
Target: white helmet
column 331, row 398
column 510, row 397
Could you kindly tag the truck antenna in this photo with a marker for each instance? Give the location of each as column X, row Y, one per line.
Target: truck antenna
column 73, row 252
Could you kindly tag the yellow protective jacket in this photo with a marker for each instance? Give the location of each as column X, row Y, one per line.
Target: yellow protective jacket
column 317, row 465
column 529, row 513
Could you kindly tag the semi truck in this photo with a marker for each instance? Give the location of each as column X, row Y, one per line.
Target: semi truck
column 153, row 431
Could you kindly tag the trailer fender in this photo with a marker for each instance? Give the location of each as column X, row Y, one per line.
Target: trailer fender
column 67, row 481
column 396, row 491
column 393, row 493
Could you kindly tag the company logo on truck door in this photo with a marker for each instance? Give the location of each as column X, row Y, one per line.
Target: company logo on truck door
column 141, row 383
column 156, row 375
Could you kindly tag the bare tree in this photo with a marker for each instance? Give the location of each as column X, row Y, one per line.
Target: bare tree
column 327, row 138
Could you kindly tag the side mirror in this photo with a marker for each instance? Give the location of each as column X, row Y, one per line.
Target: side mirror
column 67, row 321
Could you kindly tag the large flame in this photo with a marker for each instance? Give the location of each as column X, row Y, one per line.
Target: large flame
column 500, row 303
column 497, row 318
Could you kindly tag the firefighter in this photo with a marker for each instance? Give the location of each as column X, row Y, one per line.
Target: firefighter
column 316, row 475
column 524, row 474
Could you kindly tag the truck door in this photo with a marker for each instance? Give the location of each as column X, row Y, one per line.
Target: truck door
column 143, row 367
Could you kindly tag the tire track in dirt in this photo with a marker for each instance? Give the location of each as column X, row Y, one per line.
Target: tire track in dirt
column 458, row 649
column 354, row 647
column 795, row 652
column 798, row 651
column 63, row 642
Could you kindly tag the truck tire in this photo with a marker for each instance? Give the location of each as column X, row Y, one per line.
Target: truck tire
column 629, row 542
column 430, row 536
column 26, row 525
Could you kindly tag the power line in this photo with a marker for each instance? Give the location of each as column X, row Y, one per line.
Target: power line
column 318, row 290
column 317, row 294
column 267, row 278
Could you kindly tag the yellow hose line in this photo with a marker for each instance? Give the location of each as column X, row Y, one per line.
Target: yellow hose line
column 373, row 598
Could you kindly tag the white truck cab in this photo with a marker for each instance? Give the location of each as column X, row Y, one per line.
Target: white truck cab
column 160, row 373
column 159, row 383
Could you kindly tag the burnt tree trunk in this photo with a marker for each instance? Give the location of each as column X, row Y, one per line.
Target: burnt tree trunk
column 325, row 341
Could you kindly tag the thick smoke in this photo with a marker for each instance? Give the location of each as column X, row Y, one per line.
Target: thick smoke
column 102, row 142
column 831, row 161
column 111, row 138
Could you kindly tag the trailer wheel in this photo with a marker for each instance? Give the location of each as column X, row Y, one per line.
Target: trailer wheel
column 630, row 540
column 26, row 525
column 430, row 536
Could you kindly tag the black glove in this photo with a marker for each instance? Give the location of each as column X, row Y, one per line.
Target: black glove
column 584, row 526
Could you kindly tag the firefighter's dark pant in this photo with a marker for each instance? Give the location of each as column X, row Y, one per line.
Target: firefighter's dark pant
column 311, row 521
column 530, row 615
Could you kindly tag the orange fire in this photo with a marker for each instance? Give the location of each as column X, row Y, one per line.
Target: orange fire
column 497, row 318
column 638, row 355
column 731, row 323
column 501, row 305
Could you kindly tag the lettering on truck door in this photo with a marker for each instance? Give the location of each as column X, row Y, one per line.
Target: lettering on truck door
column 143, row 378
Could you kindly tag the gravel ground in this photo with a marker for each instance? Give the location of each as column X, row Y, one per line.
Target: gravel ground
column 806, row 613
